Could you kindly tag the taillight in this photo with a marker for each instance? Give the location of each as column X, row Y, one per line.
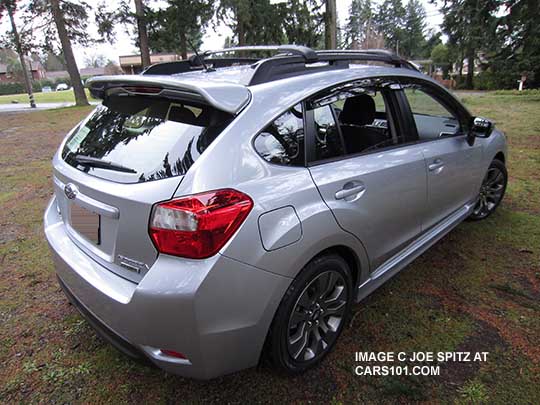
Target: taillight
column 198, row 226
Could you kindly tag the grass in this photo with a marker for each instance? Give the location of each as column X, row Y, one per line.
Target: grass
column 64, row 96
column 476, row 290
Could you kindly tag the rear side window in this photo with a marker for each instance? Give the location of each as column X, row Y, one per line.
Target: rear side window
column 282, row 142
column 136, row 139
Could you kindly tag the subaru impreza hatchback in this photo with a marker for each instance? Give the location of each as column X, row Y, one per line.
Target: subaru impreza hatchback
column 216, row 210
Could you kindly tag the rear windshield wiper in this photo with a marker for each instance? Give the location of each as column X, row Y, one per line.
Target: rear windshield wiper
column 102, row 164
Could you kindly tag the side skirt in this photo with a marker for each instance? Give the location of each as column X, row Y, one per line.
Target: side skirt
column 400, row 260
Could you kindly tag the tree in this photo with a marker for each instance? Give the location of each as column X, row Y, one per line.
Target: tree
column 53, row 62
column 414, row 25
column 330, row 25
column 95, row 60
column 518, row 37
column 143, row 35
column 359, row 27
column 470, row 26
column 75, row 77
column 112, row 68
column 252, row 28
column 440, row 56
column 302, row 22
column 10, row 6
column 389, row 21
column 182, row 22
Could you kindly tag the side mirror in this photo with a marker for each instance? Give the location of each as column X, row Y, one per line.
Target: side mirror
column 481, row 127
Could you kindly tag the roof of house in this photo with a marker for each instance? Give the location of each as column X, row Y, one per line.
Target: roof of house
column 83, row 72
column 33, row 65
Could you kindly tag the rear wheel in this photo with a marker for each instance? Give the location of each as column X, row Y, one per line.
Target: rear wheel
column 312, row 315
column 491, row 192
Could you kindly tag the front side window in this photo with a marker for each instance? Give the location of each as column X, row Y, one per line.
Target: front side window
column 282, row 141
column 136, row 139
column 432, row 118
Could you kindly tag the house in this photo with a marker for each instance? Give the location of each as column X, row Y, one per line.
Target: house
column 35, row 67
column 131, row 64
column 84, row 72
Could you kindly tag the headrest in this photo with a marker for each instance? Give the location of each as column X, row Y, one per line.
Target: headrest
column 182, row 114
column 358, row 110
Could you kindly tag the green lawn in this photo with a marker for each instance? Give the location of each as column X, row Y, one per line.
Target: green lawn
column 52, row 97
column 476, row 290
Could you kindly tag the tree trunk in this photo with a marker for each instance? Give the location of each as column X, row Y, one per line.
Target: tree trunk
column 330, row 30
column 18, row 45
column 241, row 34
column 183, row 44
column 78, row 89
column 470, row 69
column 143, row 34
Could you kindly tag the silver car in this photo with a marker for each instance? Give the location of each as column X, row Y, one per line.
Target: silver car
column 214, row 211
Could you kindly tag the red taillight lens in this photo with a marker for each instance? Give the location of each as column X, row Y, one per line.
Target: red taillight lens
column 198, row 226
column 173, row 353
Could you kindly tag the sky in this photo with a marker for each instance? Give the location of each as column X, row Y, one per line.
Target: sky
column 211, row 40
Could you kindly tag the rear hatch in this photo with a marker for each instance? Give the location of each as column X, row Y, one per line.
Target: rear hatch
column 131, row 152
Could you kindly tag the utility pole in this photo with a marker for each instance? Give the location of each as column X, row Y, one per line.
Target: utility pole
column 330, row 33
column 18, row 45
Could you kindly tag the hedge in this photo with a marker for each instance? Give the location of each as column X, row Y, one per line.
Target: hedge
column 37, row 85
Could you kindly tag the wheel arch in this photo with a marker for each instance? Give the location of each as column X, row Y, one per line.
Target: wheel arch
column 500, row 156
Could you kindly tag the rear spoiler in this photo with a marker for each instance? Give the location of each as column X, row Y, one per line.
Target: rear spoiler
column 228, row 97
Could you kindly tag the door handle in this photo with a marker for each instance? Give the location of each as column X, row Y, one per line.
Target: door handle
column 437, row 164
column 349, row 190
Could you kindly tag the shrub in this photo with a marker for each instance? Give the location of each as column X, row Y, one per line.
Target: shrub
column 17, row 88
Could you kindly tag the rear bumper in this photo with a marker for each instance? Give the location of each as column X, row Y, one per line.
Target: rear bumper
column 215, row 311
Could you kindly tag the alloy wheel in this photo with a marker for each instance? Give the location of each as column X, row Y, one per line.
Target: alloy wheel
column 491, row 193
column 317, row 315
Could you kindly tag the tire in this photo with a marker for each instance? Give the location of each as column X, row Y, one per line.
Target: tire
column 491, row 192
column 320, row 298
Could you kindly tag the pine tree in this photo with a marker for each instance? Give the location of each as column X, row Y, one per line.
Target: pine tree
column 359, row 24
column 413, row 30
column 180, row 24
column 389, row 22
column 470, row 25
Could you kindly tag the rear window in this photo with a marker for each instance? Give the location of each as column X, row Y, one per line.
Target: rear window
column 136, row 139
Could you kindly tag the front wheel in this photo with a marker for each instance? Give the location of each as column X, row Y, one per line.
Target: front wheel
column 491, row 192
column 311, row 315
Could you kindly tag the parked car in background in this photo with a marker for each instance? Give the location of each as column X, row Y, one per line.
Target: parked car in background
column 46, row 89
column 62, row 86
column 208, row 214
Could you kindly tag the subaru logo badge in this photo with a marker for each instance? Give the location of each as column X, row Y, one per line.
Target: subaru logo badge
column 71, row 191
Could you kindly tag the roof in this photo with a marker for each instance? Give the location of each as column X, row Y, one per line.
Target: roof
column 289, row 61
column 56, row 74
column 33, row 65
column 229, row 88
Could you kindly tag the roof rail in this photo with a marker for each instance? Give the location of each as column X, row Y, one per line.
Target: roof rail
column 308, row 54
column 193, row 63
column 280, row 67
column 291, row 60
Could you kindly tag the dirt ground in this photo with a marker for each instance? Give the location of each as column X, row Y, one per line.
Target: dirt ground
column 477, row 290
